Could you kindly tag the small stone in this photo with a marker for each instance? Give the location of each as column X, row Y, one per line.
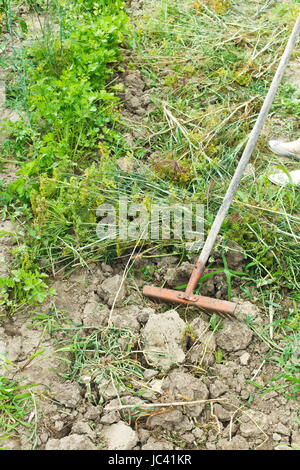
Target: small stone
column 150, row 373
column 244, row 358
column 276, row 437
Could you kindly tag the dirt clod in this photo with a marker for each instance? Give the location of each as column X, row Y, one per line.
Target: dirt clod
column 179, row 275
column 162, row 339
column 119, row 436
column 236, row 443
column 112, row 291
column 217, row 389
column 72, row 442
column 244, row 358
column 234, row 336
column 254, row 423
column 184, row 386
column 67, row 393
column 154, row 444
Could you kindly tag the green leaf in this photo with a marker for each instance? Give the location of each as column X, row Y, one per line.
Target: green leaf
column 218, row 356
column 23, row 25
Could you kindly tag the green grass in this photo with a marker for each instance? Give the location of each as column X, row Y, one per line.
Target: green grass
column 284, row 352
column 96, row 356
column 16, row 406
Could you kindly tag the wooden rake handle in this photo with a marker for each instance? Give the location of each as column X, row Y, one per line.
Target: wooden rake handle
column 255, row 133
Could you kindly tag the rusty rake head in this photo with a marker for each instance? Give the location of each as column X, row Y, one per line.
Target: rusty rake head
column 222, row 307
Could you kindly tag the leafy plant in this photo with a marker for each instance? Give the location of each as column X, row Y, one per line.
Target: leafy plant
column 23, row 287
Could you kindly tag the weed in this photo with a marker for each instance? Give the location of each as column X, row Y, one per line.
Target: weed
column 215, row 323
column 102, row 358
column 147, row 272
column 16, row 403
column 288, row 361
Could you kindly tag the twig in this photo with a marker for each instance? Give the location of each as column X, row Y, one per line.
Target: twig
column 212, row 133
column 271, row 316
column 231, row 421
column 216, row 418
column 157, row 405
column 35, row 350
column 253, row 421
column 257, row 371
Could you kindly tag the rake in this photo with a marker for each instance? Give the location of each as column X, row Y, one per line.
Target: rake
column 224, row 307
